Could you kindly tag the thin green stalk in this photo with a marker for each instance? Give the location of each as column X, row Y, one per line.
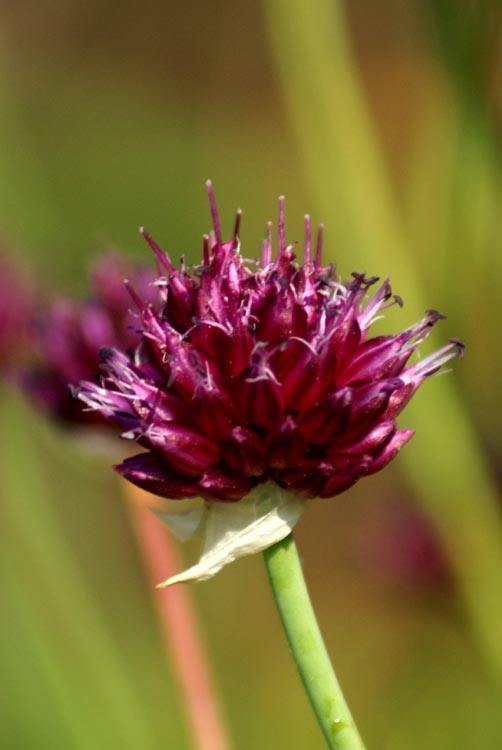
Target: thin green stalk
column 307, row 646
column 336, row 137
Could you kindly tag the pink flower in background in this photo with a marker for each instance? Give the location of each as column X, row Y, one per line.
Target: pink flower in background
column 397, row 544
column 249, row 371
column 68, row 334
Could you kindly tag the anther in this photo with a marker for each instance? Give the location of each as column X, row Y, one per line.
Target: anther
column 460, row 346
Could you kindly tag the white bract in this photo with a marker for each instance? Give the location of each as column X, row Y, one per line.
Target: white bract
column 233, row 530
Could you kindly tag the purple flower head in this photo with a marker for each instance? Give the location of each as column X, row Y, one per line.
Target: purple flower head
column 68, row 334
column 253, row 371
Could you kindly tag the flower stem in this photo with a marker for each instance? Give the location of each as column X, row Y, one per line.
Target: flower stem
column 307, row 646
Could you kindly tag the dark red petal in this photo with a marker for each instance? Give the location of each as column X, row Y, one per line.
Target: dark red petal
column 306, row 378
column 285, row 446
column 187, row 451
column 376, row 358
column 282, row 318
column 369, row 404
column 399, row 399
column 321, row 423
column 215, row 413
column 238, row 353
column 306, row 480
column 391, row 449
column 158, row 405
column 261, row 401
column 219, row 485
column 369, row 443
column 244, row 452
column 180, row 304
column 338, row 482
column 151, row 473
column 210, row 340
column 345, row 342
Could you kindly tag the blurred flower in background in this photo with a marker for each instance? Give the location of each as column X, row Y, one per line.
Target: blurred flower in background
column 68, row 335
column 397, row 545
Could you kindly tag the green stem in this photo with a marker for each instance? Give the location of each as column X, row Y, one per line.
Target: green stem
column 307, row 646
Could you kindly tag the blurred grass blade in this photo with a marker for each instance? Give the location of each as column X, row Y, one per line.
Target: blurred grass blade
column 352, row 190
column 56, row 595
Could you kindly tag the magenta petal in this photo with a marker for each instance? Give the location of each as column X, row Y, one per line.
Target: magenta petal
column 218, row 485
column 306, row 480
column 262, row 401
column 391, row 449
column 285, row 446
column 151, row 473
column 244, row 452
column 306, row 376
column 370, row 443
column 216, row 414
column 399, row 399
column 341, row 480
column 239, row 350
column 187, row 451
column 327, row 419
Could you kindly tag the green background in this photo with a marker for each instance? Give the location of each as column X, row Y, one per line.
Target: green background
column 383, row 121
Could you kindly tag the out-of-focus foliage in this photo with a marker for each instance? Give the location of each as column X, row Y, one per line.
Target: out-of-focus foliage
column 112, row 118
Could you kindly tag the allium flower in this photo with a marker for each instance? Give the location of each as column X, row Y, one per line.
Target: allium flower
column 68, row 334
column 247, row 372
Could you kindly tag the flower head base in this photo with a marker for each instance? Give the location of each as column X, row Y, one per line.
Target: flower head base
column 247, row 372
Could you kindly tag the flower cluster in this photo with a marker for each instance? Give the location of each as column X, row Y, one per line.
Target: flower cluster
column 247, row 372
column 68, row 334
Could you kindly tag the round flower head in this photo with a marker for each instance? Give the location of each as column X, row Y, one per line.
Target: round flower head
column 247, row 372
column 68, row 334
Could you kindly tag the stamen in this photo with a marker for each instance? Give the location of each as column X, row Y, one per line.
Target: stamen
column 135, row 297
column 308, row 239
column 205, row 250
column 304, row 341
column 433, row 316
column 214, row 212
column 281, row 230
column 162, row 257
column 433, row 362
column 237, row 225
column 266, row 251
